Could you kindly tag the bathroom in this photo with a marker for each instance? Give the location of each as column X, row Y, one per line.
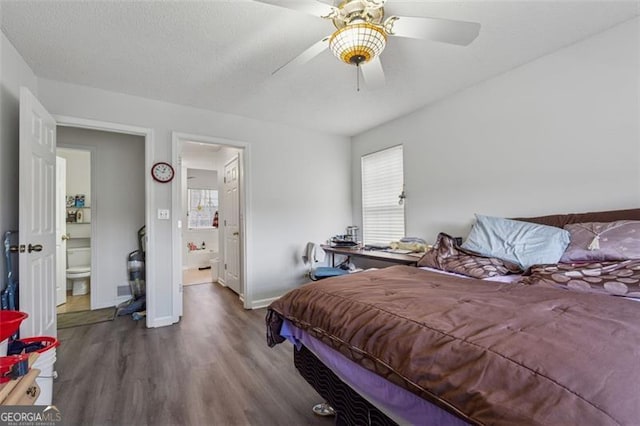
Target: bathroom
column 75, row 191
column 202, row 207
column 200, row 236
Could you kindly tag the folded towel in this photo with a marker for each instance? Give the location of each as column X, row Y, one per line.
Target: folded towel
column 415, row 247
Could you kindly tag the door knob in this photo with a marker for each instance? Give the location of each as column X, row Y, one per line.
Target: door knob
column 65, row 237
column 36, row 247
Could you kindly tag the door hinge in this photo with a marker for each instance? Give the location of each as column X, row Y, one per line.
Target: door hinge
column 225, row 222
column 225, row 266
column 224, row 179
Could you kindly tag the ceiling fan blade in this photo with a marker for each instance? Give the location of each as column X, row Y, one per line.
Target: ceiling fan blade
column 312, row 7
column 373, row 73
column 443, row 30
column 307, row 55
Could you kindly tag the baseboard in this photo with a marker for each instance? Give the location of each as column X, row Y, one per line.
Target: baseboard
column 122, row 299
column 263, row 303
column 221, row 282
column 101, row 305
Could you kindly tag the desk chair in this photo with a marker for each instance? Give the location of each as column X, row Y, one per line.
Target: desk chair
column 314, row 254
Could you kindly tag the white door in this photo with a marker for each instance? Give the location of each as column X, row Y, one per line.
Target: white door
column 36, row 209
column 231, row 225
column 61, row 231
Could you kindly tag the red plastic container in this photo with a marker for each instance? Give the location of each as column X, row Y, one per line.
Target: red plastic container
column 6, row 362
column 10, row 323
column 49, row 342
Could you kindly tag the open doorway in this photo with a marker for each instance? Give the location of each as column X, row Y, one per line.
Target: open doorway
column 201, row 219
column 98, row 236
column 37, row 212
column 209, row 231
column 73, row 229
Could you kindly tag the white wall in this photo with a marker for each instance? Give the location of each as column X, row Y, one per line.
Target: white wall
column 14, row 72
column 202, row 178
column 298, row 180
column 117, row 206
column 560, row 134
column 78, row 172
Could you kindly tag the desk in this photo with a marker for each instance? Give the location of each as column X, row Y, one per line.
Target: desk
column 403, row 259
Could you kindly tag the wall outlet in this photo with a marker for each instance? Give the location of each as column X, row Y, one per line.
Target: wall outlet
column 163, row 214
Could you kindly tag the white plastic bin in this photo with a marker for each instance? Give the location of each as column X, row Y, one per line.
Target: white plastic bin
column 215, row 262
column 44, row 363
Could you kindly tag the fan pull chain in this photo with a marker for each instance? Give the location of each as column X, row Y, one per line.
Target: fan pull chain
column 358, row 77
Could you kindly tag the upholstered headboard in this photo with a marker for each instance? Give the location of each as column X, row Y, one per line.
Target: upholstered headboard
column 560, row 220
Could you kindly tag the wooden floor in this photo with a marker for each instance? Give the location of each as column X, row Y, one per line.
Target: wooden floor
column 196, row 276
column 75, row 303
column 213, row 368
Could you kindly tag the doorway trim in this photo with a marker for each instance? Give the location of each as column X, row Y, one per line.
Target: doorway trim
column 177, row 139
column 150, row 264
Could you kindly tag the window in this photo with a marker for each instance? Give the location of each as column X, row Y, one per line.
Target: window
column 203, row 208
column 382, row 206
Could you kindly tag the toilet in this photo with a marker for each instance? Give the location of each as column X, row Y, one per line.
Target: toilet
column 79, row 269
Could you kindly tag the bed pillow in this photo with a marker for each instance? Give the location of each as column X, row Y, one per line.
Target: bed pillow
column 612, row 278
column 603, row 241
column 445, row 255
column 522, row 243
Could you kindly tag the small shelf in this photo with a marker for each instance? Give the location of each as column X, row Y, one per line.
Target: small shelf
column 75, row 213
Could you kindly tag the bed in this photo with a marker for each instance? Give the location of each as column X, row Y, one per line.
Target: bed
column 549, row 344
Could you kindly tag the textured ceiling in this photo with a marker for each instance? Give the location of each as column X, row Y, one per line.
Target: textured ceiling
column 219, row 55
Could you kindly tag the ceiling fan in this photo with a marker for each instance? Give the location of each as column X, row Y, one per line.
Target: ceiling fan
column 362, row 31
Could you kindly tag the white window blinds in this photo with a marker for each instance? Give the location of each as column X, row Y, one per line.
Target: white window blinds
column 382, row 184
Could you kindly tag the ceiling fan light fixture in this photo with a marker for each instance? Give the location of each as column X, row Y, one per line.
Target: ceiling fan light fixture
column 358, row 43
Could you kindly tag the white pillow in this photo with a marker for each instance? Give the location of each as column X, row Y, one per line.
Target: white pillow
column 523, row 243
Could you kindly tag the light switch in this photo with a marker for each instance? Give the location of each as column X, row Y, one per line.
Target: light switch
column 163, row 214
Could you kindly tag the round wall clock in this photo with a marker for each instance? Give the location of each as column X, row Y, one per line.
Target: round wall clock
column 162, row 172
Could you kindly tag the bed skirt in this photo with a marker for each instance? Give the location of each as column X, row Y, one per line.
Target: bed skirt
column 350, row 407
